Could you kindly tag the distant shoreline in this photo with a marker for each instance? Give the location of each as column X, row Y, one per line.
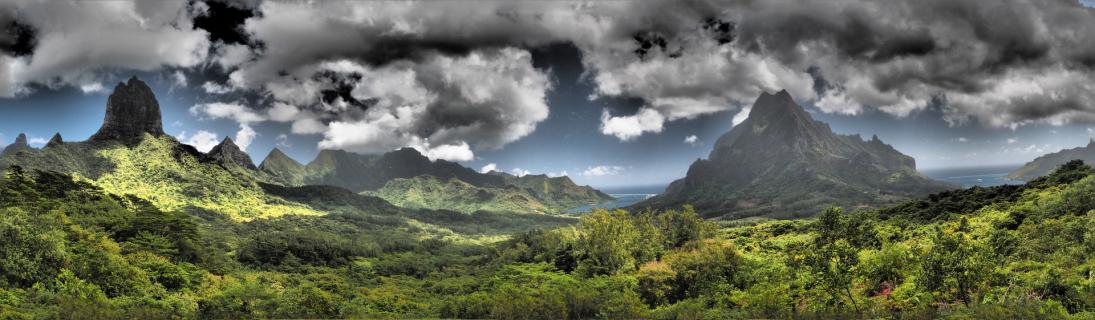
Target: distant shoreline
column 985, row 176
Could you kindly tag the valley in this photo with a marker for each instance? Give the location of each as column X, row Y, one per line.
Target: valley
column 135, row 223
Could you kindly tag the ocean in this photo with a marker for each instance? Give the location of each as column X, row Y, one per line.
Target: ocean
column 985, row 176
column 622, row 200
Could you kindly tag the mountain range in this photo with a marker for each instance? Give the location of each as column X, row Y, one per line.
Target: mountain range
column 407, row 178
column 131, row 154
column 780, row 162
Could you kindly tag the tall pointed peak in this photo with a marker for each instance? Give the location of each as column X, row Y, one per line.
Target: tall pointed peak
column 277, row 161
column 228, row 153
column 779, row 105
column 276, row 153
column 131, row 111
column 228, row 142
column 21, row 139
column 55, row 141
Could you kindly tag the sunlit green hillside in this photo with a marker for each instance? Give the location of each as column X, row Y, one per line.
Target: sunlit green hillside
column 159, row 170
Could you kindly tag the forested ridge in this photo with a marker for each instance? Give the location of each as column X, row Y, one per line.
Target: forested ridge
column 73, row 250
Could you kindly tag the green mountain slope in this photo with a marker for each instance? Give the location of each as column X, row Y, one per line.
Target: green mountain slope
column 166, row 173
column 527, row 194
column 361, row 172
column 557, row 192
column 430, row 192
column 1045, row 164
column 282, row 168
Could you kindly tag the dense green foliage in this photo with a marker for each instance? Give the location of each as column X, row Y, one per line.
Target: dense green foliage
column 76, row 250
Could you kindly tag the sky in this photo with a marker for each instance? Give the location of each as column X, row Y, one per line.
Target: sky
column 612, row 94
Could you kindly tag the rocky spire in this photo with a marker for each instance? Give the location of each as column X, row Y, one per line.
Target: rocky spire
column 55, row 141
column 131, row 111
column 21, row 140
column 227, row 153
column 19, row 145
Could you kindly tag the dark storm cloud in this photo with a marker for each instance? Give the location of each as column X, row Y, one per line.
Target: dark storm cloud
column 79, row 43
column 898, row 54
column 399, row 65
column 223, row 20
column 18, row 39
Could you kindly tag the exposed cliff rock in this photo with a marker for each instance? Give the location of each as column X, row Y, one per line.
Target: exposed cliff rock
column 20, row 144
column 131, row 111
column 55, row 141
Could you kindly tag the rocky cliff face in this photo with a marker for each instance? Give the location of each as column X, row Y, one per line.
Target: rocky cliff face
column 20, row 144
column 55, row 141
column 131, row 111
column 227, row 153
column 781, row 162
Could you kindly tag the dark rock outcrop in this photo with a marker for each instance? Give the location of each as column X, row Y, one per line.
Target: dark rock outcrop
column 227, row 154
column 55, row 141
column 131, row 111
column 19, row 145
column 780, row 162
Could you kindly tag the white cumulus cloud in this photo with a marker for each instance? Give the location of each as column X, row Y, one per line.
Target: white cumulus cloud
column 202, row 140
column 692, row 140
column 603, row 170
column 629, row 127
column 220, row 110
column 520, row 172
column 214, row 88
column 488, row 168
column 245, row 136
column 79, row 42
